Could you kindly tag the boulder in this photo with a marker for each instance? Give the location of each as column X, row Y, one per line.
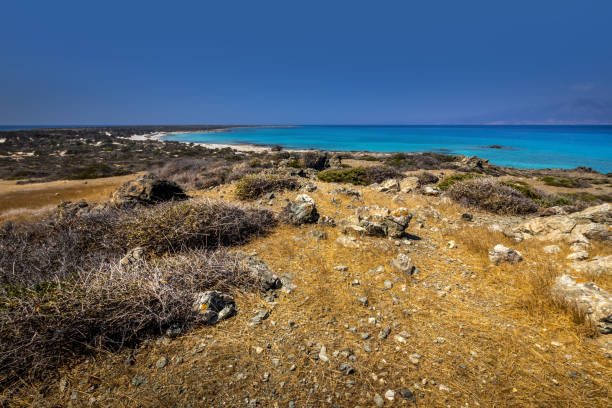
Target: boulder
column 147, row 190
column 595, row 302
column 599, row 265
column 500, row 254
column 378, row 222
column 390, row 185
column 301, row 211
column 213, row 306
column 409, row 184
column 403, row 264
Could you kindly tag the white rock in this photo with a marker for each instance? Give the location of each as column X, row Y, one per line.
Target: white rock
column 500, row 254
column 551, row 249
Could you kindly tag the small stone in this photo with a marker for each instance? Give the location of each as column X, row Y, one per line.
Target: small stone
column 551, row 249
column 139, row 380
column 258, row 349
column 266, row 377
column 363, row 300
column 466, row 217
column 439, row 340
column 452, row 244
column 378, row 400
column 407, row 394
column 276, row 362
column 346, row 368
column 293, row 367
column 444, row 388
column 365, row 336
column 414, row 358
column 384, row 333
column 388, row 284
column 390, row 395
column 162, row 362
column 341, row 268
column 322, row 354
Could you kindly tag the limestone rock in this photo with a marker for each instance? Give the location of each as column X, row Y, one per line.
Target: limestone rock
column 431, row 191
column 391, row 185
column 403, row 264
column 551, row 249
column 409, row 184
column 596, row 302
column 500, row 254
column 301, row 211
column 599, row 265
column 259, row 271
column 348, row 241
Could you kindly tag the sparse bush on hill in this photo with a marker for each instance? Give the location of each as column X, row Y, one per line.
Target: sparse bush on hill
column 564, row 182
column 106, row 307
column 448, row 181
column 416, row 161
column 488, row 194
column 254, row 186
column 359, row 175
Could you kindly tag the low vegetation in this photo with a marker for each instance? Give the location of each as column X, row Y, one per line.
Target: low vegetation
column 490, row 195
column 359, row 175
column 416, row 161
column 449, row 181
column 254, row 186
column 564, row 182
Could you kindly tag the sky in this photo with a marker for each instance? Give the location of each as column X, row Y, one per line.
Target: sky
column 305, row 62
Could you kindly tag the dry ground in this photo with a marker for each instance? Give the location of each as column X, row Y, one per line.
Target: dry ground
column 488, row 336
column 27, row 201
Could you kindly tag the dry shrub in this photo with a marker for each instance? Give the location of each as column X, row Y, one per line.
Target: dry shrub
column 254, row 186
column 53, row 249
column 193, row 174
column 201, row 223
column 378, row 174
column 488, row 194
column 314, row 160
column 359, row 175
column 107, row 307
column 426, row 177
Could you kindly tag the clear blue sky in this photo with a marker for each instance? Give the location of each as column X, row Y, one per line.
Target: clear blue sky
column 353, row 62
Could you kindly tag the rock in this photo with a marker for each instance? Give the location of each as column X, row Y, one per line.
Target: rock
column 431, row 191
column 414, row 358
column 409, row 184
column 139, row 380
column 551, row 249
column 363, row 300
column 466, row 217
column 406, row 394
column 301, row 211
column 309, row 187
column 325, row 220
column 68, row 209
column 258, row 318
column 391, row 185
column 147, row 190
column 388, row 284
column 452, row 244
column 403, row 264
column 318, row 234
column 346, row 368
column 378, row 221
column 133, row 257
column 594, row 301
column 346, row 241
column 591, row 223
column 213, row 306
column 578, row 256
column 341, row 268
column 162, row 362
column 444, row 388
column 500, row 254
column 378, row 400
column 346, row 191
column 384, row 333
column 599, row 265
column 260, row 271
column 323, row 354
column 390, row 395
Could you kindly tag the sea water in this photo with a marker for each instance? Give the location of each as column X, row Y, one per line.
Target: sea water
column 516, row 146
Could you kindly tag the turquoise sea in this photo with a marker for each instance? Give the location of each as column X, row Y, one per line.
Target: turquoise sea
column 522, row 146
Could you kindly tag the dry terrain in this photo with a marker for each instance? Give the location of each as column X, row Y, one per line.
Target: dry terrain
column 463, row 331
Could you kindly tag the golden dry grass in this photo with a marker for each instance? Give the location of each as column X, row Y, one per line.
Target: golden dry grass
column 506, row 343
column 29, row 201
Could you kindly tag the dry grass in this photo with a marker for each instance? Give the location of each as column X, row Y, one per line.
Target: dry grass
column 497, row 351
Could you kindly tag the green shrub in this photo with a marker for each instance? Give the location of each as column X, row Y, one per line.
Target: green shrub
column 356, row 175
column 448, row 181
column 564, row 182
column 294, row 164
column 490, row 195
column 254, row 186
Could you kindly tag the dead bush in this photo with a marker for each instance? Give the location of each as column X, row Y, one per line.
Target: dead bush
column 488, row 194
column 254, row 186
column 378, row 174
column 107, row 307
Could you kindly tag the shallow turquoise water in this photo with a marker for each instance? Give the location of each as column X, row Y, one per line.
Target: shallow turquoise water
column 524, row 146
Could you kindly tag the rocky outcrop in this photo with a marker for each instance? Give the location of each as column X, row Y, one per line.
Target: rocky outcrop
column 390, row 186
column 302, row 210
column 500, row 254
column 592, row 223
column 147, row 190
column 213, row 306
column 599, row 265
column 588, row 297
column 377, row 221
